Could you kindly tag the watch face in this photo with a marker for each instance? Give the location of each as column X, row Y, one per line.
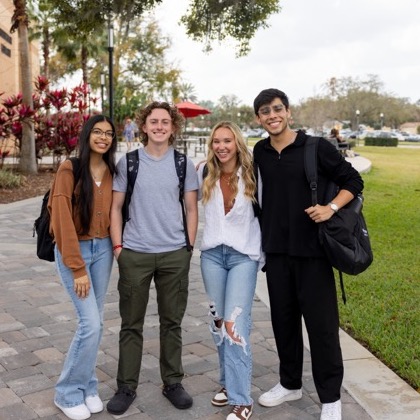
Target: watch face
column 334, row 207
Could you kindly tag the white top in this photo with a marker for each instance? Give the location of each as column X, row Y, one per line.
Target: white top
column 238, row 229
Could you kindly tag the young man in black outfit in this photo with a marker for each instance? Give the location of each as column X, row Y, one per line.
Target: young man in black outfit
column 300, row 279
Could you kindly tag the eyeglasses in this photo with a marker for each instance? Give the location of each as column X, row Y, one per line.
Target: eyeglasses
column 266, row 110
column 97, row 132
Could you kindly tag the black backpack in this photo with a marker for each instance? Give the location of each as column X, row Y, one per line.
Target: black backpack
column 133, row 161
column 344, row 237
column 44, row 241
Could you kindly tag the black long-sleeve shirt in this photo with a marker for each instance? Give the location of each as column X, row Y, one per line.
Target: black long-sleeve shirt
column 286, row 228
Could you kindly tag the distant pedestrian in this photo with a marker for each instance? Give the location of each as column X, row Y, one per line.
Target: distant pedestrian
column 342, row 145
column 230, row 258
column 300, row 279
column 80, row 220
column 129, row 132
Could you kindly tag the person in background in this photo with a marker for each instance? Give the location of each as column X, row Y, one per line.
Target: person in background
column 300, row 279
column 153, row 246
column 129, row 132
column 80, row 221
column 342, row 144
column 230, row 258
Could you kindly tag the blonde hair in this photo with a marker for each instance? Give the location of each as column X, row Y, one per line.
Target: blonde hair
column 244, row 161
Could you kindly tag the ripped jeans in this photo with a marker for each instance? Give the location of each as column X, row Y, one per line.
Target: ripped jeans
column 229, row 279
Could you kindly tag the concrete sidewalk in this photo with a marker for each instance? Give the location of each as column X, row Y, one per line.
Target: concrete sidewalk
column 37, row 322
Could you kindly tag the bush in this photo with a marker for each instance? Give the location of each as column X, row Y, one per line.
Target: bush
column 9, row 179
column 381, row 141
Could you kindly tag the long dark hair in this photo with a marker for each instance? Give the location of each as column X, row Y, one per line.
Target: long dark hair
column 85, row 183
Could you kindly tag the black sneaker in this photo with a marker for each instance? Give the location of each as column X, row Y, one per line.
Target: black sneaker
column 177, row 395
column 120, row 402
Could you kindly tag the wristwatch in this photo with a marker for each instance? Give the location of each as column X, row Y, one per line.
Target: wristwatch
column 334, row 207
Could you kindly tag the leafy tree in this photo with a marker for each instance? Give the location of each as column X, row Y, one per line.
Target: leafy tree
column 344, row 96
column 20, row 22
column 205, row 20
column 215, row 20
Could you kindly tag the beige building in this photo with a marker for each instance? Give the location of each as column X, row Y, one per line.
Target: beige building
column 410, row 127
column 10, row 82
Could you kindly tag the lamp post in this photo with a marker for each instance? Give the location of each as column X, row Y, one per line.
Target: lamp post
column 103, row 92
column 111, row 50
column 381, row 116
column 357, row 125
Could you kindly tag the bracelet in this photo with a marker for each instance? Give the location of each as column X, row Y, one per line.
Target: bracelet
column 116, row 247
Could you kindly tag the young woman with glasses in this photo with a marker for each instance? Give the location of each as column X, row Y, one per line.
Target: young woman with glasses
column 79, row 204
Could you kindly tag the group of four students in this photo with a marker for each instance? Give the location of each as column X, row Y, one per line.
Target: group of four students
column 87, row 224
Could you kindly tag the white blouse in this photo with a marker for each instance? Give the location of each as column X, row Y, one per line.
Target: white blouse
column 238, row 229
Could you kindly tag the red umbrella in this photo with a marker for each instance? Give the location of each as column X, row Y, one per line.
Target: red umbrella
column 189, row 109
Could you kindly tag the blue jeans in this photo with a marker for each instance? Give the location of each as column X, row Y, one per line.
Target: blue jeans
column 78, row 378
column 229, row 279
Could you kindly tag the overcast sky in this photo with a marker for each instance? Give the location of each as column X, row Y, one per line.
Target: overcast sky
column 307, row 43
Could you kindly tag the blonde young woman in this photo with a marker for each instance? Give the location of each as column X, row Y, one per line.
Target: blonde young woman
column 230, row 258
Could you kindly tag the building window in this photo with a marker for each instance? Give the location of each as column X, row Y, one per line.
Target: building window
column 5, row 36
column 5, row 50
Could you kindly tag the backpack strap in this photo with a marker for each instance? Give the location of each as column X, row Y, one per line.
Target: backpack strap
column 132, row 171
column 181, row 171
column 310, row 158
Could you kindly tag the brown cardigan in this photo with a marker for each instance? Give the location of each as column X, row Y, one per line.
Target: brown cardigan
column 65, row 222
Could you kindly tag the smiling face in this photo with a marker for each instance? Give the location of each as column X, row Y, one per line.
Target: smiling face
column 274, row 117
column 158, row 126
column 224, row 147
column 101, row 137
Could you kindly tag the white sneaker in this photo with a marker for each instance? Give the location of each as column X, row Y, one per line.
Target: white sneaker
column 278, row 395
column 331, row 411
column 79, row 412
column 94, row 404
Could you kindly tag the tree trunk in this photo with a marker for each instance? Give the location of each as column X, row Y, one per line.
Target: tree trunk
column 46, row 42
column 27, row 161
column 84, row 57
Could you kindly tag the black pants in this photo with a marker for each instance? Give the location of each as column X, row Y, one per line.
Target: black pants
column 305, row 286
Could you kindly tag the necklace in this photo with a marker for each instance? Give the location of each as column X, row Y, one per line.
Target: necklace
column 228, row 178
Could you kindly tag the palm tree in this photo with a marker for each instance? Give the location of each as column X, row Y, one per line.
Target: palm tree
column 20, row 22
column 187, row 92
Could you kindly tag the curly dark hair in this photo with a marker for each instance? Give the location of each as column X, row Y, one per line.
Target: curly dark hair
column 176, row 117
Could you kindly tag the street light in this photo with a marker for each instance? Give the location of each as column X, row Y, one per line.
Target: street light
column 381, row 116
column 103, row 92
column 357, row 125
column 111, row 50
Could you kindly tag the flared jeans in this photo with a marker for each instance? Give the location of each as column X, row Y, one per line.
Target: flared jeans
column 78, row 378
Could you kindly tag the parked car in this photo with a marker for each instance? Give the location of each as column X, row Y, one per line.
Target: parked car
column 413, row 137
column 258, row 132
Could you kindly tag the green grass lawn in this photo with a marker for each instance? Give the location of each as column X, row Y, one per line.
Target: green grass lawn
column 383, row 307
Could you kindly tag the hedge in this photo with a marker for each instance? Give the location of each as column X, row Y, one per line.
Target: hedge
column 381, row 141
